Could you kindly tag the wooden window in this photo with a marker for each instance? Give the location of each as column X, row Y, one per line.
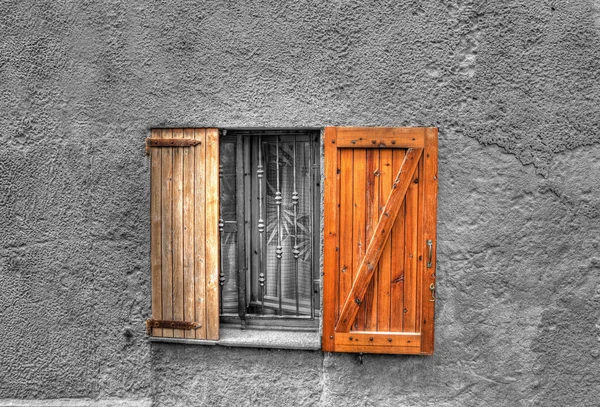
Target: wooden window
column 380, row 223
column 210, row 249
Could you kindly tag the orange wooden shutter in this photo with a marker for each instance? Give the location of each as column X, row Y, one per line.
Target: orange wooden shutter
column 380, row 230
column 184, row 233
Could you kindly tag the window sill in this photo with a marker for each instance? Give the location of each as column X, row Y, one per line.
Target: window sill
column 249, row 338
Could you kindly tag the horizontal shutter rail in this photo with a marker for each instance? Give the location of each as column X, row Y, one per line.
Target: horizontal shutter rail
column 378, row 339
column 380, row 137
column 170, row 142
column 162, row 323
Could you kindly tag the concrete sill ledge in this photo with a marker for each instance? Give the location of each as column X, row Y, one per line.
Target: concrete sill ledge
column 82, row 402
column 249, row 338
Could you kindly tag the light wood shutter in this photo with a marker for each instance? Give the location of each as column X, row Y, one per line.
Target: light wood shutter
column 184, row 233
column 380, row 240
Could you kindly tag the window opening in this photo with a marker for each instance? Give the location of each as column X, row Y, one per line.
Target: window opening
column 269, row 225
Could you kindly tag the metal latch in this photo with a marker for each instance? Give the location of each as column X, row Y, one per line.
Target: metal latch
column 432, row 289
column 429, row 252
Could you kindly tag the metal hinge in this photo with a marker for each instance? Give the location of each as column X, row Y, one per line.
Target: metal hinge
column 161, row 323
column 170, row 142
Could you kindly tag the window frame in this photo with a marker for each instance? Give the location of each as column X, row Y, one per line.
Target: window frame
column 314, row 138
column 227, row 335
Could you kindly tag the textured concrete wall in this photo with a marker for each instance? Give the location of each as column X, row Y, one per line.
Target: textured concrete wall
column 514, row 87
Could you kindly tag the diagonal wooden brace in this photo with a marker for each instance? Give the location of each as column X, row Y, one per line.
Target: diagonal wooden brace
column 379, row 239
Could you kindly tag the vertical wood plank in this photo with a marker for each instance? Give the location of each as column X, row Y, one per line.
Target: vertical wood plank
column 178, row 233
column 330, row 238
column 359, row 223
column 385, row 263
column 167, row 232
column 397, row 258
column 372, row 218
column 346, row 246
column 189, row 312
column 420, row 243
column 155, row 231
column 411, row 255
column 212, row 234
column 430, row 186
column 200, row 232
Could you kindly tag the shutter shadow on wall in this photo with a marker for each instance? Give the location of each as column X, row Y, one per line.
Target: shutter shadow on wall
column 379, row 234
column 184, row 209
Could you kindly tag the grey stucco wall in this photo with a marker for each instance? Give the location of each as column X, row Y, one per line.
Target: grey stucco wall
column 514, row 87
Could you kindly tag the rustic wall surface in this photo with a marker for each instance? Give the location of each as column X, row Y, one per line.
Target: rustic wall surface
column 514, row 87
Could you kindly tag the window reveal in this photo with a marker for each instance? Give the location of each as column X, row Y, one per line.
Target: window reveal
column 269, row 208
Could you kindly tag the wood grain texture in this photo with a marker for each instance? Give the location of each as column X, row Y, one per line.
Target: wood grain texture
column 369, row 339
column 394, row 304
column 330, row 239
column 371, row 303
column 155, row 231
column 167, row 232
column 397, row 257
column 359, row 245
column 385, row 261
column 200, row 232
column 178, row 233
column 430, row 176
column 212, row 234
column 380, row 137
column 189, row 312
column 380, row 236
column 410, row 255
column 346, row 244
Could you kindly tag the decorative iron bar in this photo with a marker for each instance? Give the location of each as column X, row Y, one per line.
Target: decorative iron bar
column 279, row 250
column 221, row 225
column 312, row 227
column 261, row 225
column 296, row 250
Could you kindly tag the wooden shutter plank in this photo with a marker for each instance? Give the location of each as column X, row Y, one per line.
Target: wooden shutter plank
column 331, row 214
column 346, row 245
column 212, row 234
column 167, row 232
column 397, row 255
column 178, row 233
column 377, row 137
column 410, row 255
column 372, row 202
column 359, row 168
column 430, row 176
column 385, row 261
column 382, row 231
column 199, row 231
column 155, row 232
column 188, row 234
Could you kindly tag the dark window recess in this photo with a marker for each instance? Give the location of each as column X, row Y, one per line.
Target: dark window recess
column 270, row 227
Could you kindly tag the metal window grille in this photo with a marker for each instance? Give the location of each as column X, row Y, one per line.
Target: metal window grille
column 269, row 190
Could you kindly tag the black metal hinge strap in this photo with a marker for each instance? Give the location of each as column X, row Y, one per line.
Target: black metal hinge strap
column 161, row 323
column 171, row 142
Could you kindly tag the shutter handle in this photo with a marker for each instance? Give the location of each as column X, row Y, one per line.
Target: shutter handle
column 432, row 289
column 430, row 252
